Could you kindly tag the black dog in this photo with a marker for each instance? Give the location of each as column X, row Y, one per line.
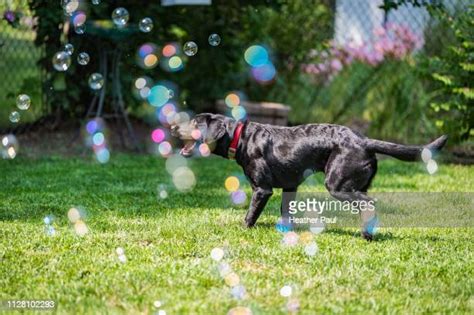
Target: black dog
column 277, row 157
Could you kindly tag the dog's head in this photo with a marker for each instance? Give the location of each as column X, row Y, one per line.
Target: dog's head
column 212, row 129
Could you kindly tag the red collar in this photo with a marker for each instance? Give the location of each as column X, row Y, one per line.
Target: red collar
column 235, row 140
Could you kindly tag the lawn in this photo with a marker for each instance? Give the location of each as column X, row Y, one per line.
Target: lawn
column 168, row 242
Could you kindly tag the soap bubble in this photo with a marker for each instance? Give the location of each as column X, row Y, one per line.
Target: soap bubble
column 217, row 254
column 122, row 258
column 293, row 305
column 190, row 48
column 146, row 25
column 183, row 178
column 14, row 117
column 80, row 228
column 232, row 279
column 95, row 2
column 311, row 249
column 240, row 310
column 238, row 112
column 432, row 167
column 214, row 40
column 290, row 239
column 231, row 183
column 174, row 162
column 224, row 269
column 238, row 292
column 157, row 304
column 9, row 147
column 83, row 58
column 69, row 6
column 256, row 56
column 159, row 95
column 69, row 49
column 80, row 29
column 96, row 81
column 120, row 251
column 317, row 228
column 23, row 102
column 238, row 197
column 426, row 155
column 120, row 17
column 61, row 61
column 286, row 291
column 158, row 135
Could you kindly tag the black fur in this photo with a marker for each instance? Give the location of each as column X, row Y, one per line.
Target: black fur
column 278, row 157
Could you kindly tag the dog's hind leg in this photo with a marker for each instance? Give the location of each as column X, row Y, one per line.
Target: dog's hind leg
column 348, row 178
column 260, row 197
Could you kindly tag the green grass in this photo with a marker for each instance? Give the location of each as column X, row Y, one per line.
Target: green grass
column 167, row 243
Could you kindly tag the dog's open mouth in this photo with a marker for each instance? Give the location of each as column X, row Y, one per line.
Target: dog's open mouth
column 188, row 148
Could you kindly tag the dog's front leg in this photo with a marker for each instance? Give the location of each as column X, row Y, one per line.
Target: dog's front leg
column 289, row 195
column 260, row 197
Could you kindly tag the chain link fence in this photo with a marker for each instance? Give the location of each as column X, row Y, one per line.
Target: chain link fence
column 18, row 63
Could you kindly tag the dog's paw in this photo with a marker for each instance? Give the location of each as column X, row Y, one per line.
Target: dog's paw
column 248, row 224
column 367, row 236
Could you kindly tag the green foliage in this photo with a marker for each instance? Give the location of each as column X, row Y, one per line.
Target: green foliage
column 291, row 32
column 388, row 101
column 451, row 76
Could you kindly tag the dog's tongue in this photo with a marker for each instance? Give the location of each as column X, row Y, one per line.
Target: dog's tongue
column 187, row 150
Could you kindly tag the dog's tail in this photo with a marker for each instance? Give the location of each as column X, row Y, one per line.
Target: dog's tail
column 404, row 152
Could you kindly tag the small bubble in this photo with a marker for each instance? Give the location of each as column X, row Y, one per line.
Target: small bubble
column 80, row 29
column 83, row 58
column 23, row 102
column 14, row 117
column 95, row 2
column 238, row 292
column 122, row 258
column 286, row 291
column 120, row 17
column 232, row 279
column 120, row 251
column 217, row 254
column 214, row 39
column 146, row 25
column 432, row 167
column 426, row 155
column 190, row 48
column 240, row 310
column 311, row 249
column 69, row 49
column 96, row 81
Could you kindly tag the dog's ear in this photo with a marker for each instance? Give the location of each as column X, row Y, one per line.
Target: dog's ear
column 216, row 129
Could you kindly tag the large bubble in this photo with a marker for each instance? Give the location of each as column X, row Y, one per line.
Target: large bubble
column 61, row 61
column 23, row 102
column 190, row 48
column 9, row 147
column 256, row 56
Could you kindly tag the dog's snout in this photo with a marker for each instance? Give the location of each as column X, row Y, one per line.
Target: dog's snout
column 174, row 130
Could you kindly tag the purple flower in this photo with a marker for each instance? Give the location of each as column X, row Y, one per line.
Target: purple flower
column 336, row 65
column 9, row 16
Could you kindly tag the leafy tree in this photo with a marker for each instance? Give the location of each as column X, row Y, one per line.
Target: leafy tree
column 451, row 75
